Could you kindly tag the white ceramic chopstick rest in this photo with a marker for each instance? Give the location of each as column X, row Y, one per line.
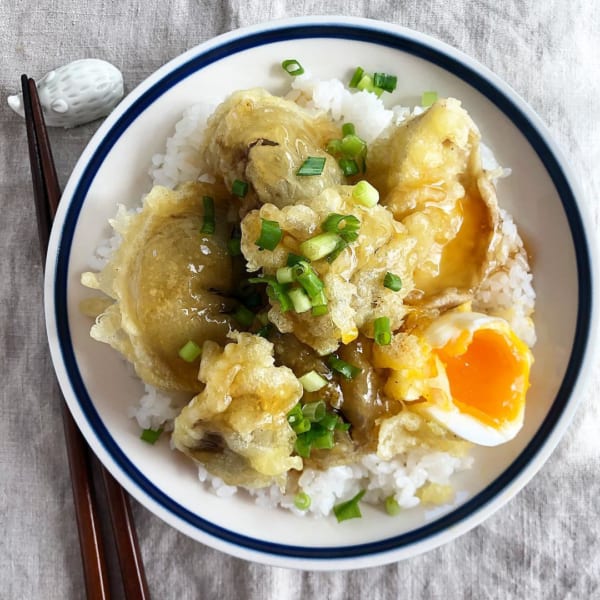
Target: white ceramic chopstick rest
column 77, row 93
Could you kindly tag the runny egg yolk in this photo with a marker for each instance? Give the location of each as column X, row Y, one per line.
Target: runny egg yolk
column 488, row 375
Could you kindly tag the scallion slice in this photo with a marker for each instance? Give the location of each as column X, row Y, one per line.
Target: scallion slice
column 320, row 245
column 292, row 67
column 302, row 501
column 300, row 300
column 190, row 351
column 391, row 506
column 365, row 83
column 428, row 98
column 346, row 226
column 356, row 77
column 349, row 166
column 208, row 223
column 342, row 244
column 329, row 421
column 342, row 367
column 302, row 446
column 334, row 147
column 284, row 275
column 352, row 146
column 392, row 282
column 384, row 81
column 244, row 316
column 293, row 259
column 324, row 440
column 312, row 381
column 319, row 311
column 382, row 331
column 270, row 235
column 349, row 509
column 313, row 165
column 151, row 435
column 364, row 193
column 305, row 275
column 314, row 411
column 295, row 415
column 239, row 188
column 275, row 290
column 348, row 129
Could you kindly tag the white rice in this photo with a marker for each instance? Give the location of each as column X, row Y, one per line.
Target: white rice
column 508, row 293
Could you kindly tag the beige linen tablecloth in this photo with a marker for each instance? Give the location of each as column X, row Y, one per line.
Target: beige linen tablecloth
column 543, row 544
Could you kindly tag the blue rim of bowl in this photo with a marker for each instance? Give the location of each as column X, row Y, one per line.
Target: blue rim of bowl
column 404, row 43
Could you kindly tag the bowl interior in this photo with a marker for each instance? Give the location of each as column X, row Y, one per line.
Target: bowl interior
column 114, row 170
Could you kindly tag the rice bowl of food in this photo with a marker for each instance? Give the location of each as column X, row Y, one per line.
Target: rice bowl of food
column 320, row 293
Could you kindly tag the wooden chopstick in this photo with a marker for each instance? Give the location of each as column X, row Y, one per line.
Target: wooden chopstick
column 47, row 195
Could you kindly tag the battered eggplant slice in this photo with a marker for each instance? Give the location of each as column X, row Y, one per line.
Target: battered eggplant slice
column 429, row 173
column 263, row 140
column 168, row 283
column 237, row 426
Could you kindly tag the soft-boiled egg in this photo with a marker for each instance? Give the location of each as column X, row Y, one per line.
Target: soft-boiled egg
column 487, row 367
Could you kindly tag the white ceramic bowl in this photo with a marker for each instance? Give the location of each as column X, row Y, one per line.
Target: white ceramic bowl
column 541, row 195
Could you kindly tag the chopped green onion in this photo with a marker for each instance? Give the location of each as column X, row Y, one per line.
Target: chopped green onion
column 293, row 259
column 323, row 441
column 364, row 193
column 329, row 421
column 320, row 245
column 305, row 275
column 244, row 316
column 384, row 81
column 270, row 235
column 319, row 304
column 341, row 366
column 300, row 300
column 392, row 282
column 342, row 244
column 349, row 509
column 356, row 77
column 313, row 165
column 285, row 275
column 353, row 146
column 190, row 351
column 428, row 98
column 312, row 381
column 274, row 290
column 314, row 411
column 302, row 501
column 234, row 247
column 365, row 83
column 292, row 67
column 295, row 415
column 302, row 446
column 239, row 188
column 208, row 224
column 302, row 426
column 349, row 166
column 342, row 426
column 348, row 129
column 151, row 435
column 334, row 147
column 391, row 506
column 346, row 226
column 319, row 311
column 383, row 332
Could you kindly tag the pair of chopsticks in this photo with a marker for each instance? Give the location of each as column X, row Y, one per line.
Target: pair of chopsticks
column 47, row 195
